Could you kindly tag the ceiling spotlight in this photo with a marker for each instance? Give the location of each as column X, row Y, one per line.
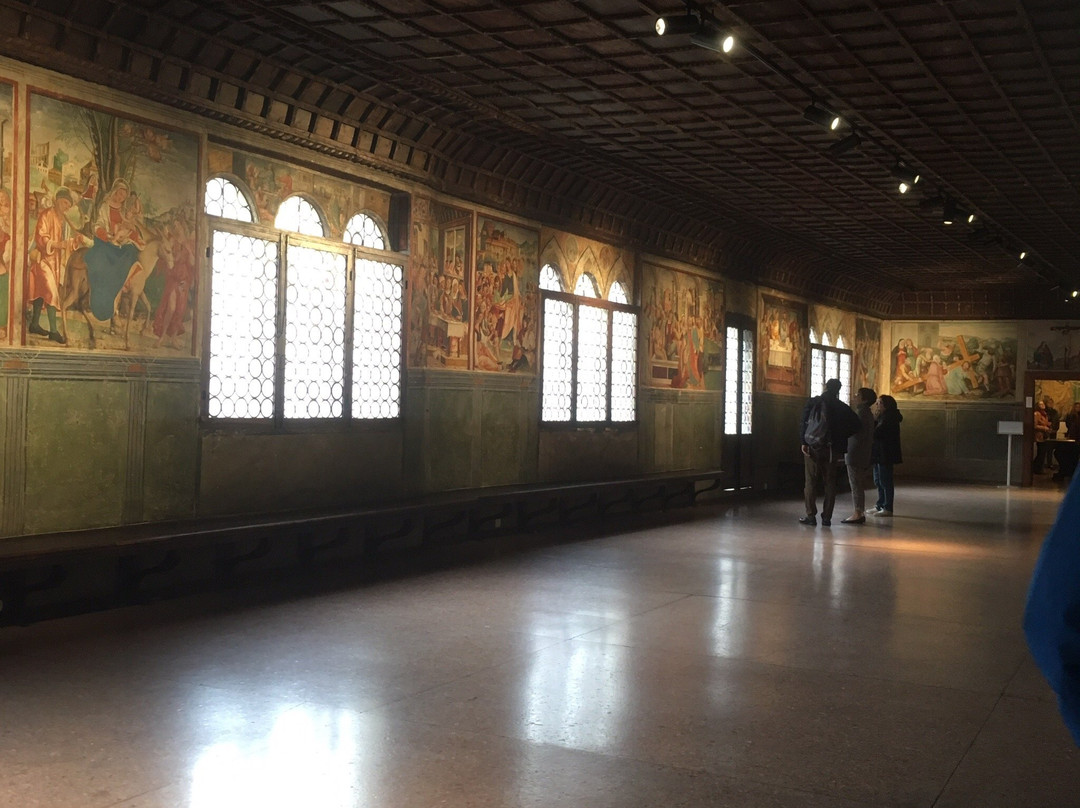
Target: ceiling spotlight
column 903, row 172
column 1023, row 254
column 904, row 188
column 949, row 213
column 822, row 117
column 711, row 39
column 686, row 24
column 845, row 144
column 1075, row 292
column 971, row 218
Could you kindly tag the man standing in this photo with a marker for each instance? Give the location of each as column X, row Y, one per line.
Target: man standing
column 827, row 423
column 53, row 244
column 857, row 459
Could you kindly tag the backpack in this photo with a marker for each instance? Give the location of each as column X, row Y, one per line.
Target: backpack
column 817, row 426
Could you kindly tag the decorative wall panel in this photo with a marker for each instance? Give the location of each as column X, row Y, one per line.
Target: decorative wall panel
column 506, row 307
column 965, row 361
column 868, row 354
column 782, row 346
column 683, row 319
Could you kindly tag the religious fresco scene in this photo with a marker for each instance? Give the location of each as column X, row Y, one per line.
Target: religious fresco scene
column 826, row 320
column 1053, row 347
column 683, row 318
column 575, row 256
column 438, row 290
column 7, row 174
column 110, row 208
column 271, row 182
column 866, row 365
column 506, row 305
column 962, row 361
column 782, row 346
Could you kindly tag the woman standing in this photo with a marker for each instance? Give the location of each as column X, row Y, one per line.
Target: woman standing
column 886, row 453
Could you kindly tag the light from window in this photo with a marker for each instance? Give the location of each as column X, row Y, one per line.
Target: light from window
column 586, row 286
column 315, row 334
column 813, row 335
column 617, row 294
column 592, row 359
column 556, row 404
column 376, row 386
column 825, row 339
column 299, row 216
column 549, row 279
column 840, row 342
column 747, row 380
column 243, row 317
column 623, row 365
column 731, row 383
column 364, row 231
column 224, row 199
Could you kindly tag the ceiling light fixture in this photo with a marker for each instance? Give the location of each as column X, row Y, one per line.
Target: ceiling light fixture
column 903, row 172
column 710, row 38
column 1023, row 254
column 822, row 117
column 949, row 212
column 845, row 144
column 1075, row 292
column 971, row 218
column 673, row 26
column 904, row 188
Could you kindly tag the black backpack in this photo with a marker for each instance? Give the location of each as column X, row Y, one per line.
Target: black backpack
column 817, row 426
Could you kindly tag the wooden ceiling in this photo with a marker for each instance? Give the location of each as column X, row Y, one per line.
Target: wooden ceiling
column 576, row 112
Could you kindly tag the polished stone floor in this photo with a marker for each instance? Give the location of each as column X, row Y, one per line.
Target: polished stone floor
column 729, row 658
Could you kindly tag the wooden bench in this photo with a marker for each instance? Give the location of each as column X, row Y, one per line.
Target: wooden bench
column 35, row 564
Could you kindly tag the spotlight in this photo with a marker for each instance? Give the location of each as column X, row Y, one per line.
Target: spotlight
column 949, row 212
column 903, row 172
column 711, row 39
column 1023, row 254
column 904, row 188
column 971, row 218
column 687, row 24
column 822, row 117
column 846, row 144
column 1075, row 292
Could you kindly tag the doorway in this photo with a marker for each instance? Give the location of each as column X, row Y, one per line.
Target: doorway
column 1061, row 390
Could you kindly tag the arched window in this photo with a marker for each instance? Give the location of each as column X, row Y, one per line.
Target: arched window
column 827, row 363
column 617, row 293
column 813, row 335
column 825, row 339
column 589, row 359
column 586, row 286
column 549, row 279
column 299, row 216
column 840, row 342
column 225, row 199
column 363, row 231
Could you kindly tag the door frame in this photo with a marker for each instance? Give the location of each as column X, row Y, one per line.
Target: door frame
column 1030, row 378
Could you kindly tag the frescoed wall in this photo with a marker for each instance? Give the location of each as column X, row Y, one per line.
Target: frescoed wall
column 683, row 320
column 867, row 354
column 439, row 285
column 110, row 208
column 506, row 304
column 1051, row 346
column 834, row 325
column 7, row 176
column 575, row 256
column 962, row 361
column 782, row 346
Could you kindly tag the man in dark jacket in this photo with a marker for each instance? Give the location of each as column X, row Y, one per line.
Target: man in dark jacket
column 822, row 454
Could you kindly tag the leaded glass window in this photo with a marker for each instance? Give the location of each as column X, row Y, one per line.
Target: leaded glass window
column 589, row 359
column 738, row 381
column 363, row 231
column 226, row 200
column 617, row 293
column 376, row 386
column 299, row 216
column 829, row 363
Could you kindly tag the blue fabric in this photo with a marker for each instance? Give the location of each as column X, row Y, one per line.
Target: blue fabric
column 1052, row 617
column 883, row 479
column 107, row 268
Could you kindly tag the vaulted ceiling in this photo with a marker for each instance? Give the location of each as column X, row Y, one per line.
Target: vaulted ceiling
column 576, row 112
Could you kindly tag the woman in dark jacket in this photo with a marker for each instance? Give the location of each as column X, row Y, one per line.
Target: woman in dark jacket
column 886, row 453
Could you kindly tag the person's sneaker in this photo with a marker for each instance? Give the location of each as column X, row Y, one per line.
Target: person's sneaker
column 810, row 520
column 874, row 510
column 826, row 522
column 883, row 512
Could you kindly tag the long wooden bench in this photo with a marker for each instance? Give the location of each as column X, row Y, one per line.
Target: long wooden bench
column 35, row 564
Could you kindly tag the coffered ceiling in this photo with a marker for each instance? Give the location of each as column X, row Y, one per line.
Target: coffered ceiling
column 576, row 112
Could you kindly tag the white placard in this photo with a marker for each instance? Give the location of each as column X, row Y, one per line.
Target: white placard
column 1010, row 427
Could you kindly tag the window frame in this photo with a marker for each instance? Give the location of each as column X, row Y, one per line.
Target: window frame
column 278, row 423
column 576, row 301
column 746, row 334
column 826, row 350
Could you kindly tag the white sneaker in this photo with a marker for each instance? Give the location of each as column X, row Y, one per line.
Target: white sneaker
column 873, row 511
column 883, row 512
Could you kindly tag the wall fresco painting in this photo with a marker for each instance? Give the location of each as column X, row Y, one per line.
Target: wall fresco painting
column 1052, row 347
column 506, row 307
column 782, row 346
column 963, row 361
column 271, row 182
column 7, row 175
column 576, row 256
column 111, row 232
column 867, row 354
column 439, row 286
column 684, row 320
column 833, row 322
